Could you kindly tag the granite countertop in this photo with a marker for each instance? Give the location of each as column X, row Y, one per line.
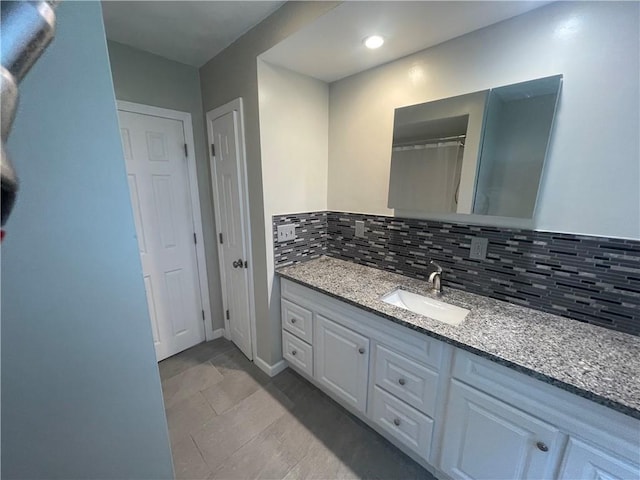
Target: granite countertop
column 596, row 363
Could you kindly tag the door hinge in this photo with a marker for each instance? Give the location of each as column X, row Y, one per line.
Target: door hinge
column 186, row 150
column 227, row 314
column 220, row 235
column 195, row 238
column 213, row 150
column 203, row 315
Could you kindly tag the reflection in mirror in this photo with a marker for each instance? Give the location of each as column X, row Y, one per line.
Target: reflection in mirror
column 435, row 154
column 480, row 153
column 433, row 164
column 517, row 129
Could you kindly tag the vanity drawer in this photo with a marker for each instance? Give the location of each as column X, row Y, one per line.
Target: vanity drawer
column 406, row 379
column 297, row 353
column 297, row 320
column 402, row 422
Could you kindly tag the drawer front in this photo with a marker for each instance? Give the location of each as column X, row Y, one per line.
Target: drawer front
column 297, row 320
column 406, row 379
column 402, row 422
column 297, row 353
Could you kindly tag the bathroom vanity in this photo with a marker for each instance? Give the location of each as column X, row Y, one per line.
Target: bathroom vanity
column 510, row 392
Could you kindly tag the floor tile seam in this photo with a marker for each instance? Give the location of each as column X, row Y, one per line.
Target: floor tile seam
column 239, row 447
column 233, row 406
column 202, row 427
column 163, row 382
column 212, row 406
column 191, row 432
column 193, row 440
column 184, row 400
column 278, row 440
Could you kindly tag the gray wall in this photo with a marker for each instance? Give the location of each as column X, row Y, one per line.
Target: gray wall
column 81, row 393
column 142, row 77
column 233, row 74
column 591, row 182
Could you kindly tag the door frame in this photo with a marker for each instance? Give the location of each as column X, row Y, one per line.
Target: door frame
column 235, row 105
column 192, row 176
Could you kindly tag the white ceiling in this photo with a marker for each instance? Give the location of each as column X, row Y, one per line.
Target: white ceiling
column 185, row 31
column 331, row 47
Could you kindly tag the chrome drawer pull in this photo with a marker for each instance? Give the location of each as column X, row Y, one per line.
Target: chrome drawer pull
column 402, row 381
column 396, row 422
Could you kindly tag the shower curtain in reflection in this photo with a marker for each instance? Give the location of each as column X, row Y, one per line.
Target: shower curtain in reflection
column 426, row 177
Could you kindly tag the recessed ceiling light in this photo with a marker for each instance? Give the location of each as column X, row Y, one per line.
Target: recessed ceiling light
column 373, row 41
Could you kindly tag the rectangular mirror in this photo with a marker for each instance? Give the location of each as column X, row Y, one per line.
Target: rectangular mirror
column 482, row 153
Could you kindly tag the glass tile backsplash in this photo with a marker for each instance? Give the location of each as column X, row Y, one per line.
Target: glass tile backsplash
column 591, row 279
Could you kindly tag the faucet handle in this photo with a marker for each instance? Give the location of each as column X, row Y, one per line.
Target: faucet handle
column 438, row 267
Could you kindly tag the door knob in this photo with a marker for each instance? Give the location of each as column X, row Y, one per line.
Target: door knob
column 361, row 350
column 402, row 381
column 396, row 422
column 294, row 352
column 542, row 446
column 238, row 263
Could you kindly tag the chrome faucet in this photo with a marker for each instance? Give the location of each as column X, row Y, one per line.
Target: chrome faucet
column 436, row 278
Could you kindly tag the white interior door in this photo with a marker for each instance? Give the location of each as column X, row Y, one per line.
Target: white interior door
column 230, row 218
column 161, row 199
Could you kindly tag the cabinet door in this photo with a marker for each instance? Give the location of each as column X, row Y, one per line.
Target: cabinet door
column 341, row 362
column 586, row 462
column 487, row 439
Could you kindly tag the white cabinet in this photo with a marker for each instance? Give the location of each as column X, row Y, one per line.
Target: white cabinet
column 587, row 462
column 487, row 439
column 341, row 362
column 407, row 379
column 458, row 414
column 404, row 423
column 297, row 320
column 382, row 372
column 297, row 352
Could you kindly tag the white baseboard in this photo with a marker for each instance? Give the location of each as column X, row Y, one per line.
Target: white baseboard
column 271, row 370
column 217, row 333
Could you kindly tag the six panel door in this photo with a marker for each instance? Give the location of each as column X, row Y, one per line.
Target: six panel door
column 161, row 201
column 223, row 132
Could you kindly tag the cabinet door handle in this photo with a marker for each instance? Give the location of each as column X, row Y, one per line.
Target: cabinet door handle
column 542, row 447
column 402, row 381
column 361, row 350
column 293, row 352
column 293, row 320
column 396, row 422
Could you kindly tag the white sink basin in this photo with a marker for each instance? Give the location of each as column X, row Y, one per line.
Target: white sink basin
column 426, row 306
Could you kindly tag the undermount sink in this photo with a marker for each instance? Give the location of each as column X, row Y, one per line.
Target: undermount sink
column 435, row 309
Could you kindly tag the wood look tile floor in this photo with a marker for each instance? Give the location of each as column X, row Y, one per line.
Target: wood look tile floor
column 229, row 420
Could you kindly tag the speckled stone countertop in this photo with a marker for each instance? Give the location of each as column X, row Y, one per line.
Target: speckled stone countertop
column 599, row 364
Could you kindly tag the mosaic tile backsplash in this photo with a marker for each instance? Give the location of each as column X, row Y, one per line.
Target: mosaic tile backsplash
column 591, row 279
column 310, row 242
